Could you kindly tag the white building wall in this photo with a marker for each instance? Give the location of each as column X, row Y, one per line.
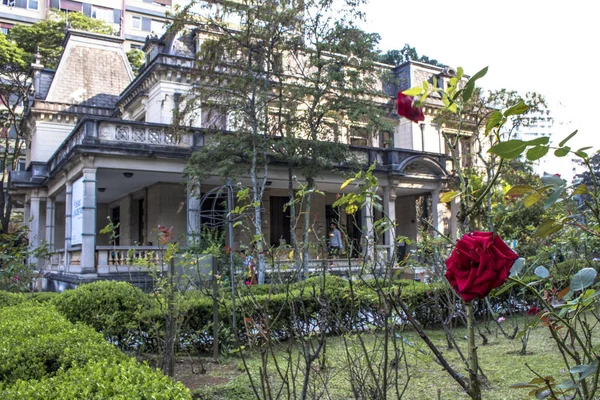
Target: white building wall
column 46, row 139
column 161, row 101
column 403, row 136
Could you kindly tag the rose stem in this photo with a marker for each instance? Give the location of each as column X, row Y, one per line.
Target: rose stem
column 475, row 388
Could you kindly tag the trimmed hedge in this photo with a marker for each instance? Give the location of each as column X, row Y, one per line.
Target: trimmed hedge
column 111, row 307
column 101, row 379
column 8, row 299
column 44, row 356
column 131, row 318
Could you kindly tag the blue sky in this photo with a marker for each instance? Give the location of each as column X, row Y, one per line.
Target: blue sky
column 549, row 47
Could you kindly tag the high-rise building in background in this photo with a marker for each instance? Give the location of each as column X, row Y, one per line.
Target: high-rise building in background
column 130, row 19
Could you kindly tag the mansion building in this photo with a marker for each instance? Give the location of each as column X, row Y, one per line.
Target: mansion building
column 100, row 147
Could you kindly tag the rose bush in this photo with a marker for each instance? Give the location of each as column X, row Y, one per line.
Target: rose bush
column 407, row 110
column 480, row 262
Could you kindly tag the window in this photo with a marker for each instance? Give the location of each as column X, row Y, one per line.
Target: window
column 5, row 28
column 214, row 118
column 358, row 136
column 21, row 164
column 27, row 4
column 136, row 22
column 103, row 14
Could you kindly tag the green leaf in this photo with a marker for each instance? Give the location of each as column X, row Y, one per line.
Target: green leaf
column 448, row 196
column 581, row 154
column 517, row 266
column 554, row 197
column 562, row 151
column 495, row 120
column 470, row 86
column 583, row 279
column 516, row 109
column 415, row 91
column 540, row 140
column 509, row 149
column 542, row 272
column 555, row 181
column 548, row 227
column 531, row 199
column 468, row 91
column 537, row 152
column 346, row 183
column 581, row 189
column 567, row 385
column 519, row 190
column 565, row 140
column 522, row 385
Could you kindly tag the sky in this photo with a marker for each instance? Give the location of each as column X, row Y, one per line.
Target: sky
column 550, row 47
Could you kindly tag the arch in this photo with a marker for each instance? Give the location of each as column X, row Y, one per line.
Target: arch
column 425, row 162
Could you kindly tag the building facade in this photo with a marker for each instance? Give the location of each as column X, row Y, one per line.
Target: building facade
column 100, row 147
column 133, row 20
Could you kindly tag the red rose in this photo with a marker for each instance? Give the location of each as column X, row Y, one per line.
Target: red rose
column 406, row 109
column 533, row 310
column 480, row 262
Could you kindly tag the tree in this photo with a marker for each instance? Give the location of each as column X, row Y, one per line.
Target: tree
column 407, row 53
column 292, row 78
column 592, row 173
column 45, row 37
column 40, row 43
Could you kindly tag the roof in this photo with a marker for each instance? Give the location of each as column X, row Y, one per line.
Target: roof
column 93, row 70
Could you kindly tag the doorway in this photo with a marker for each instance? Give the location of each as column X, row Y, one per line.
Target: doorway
column 280, row 220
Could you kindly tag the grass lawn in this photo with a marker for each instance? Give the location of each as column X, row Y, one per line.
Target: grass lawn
column 499, row 360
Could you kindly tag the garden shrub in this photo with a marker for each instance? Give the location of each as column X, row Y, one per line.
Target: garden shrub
column 44, row 356
column 100, row 379
column 43, row 297
column 10, row 299
column 111, row 307
column 37, row 341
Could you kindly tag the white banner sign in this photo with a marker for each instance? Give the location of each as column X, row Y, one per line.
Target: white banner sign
column 77, row 212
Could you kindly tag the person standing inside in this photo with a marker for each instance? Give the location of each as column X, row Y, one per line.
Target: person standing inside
column 335, row 241
column 250, row 267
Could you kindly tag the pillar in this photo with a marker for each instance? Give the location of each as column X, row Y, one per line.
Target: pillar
column 88, row 233
column 34, row 227
column 193, row 213
column 453, row 222
column 435, row 214
column 68, row 211
column 50, row 222
column 369, row 234
column 389, row 208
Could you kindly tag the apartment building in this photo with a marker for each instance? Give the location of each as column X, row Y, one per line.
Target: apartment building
column 132, row 20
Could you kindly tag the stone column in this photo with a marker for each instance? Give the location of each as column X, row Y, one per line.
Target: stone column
column 368, row 234
column 88, row 233
column 453, row 223
column 193, row 213
column 34, row 227
column 50, row 222
column 435, row 216
column 389, row 208
column 68, row 225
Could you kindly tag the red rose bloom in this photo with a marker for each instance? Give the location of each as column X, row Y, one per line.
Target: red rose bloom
column 406, row 109
column 480, row 262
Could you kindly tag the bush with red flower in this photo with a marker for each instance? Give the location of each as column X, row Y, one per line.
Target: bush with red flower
column 480, row 262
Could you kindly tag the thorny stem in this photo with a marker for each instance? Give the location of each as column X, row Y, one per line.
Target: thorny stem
column 406, row 313
column 475, row 387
